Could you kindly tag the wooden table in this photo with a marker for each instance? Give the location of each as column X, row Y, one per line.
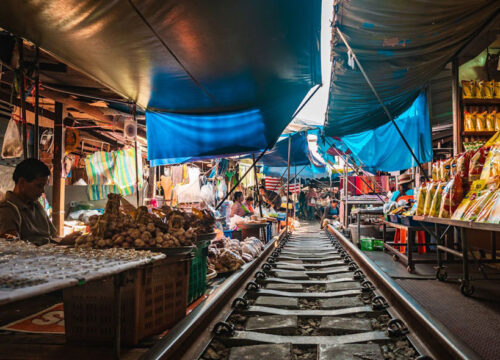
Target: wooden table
column 461, row 252
column 393, row 247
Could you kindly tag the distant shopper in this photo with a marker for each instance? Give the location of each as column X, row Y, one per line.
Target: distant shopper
column 312, row 198
column 248, row 204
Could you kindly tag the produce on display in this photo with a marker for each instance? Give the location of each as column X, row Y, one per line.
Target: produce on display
column 225, row 255
column 166, row 228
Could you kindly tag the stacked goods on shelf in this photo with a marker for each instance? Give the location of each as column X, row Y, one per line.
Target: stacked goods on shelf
column 472, row 89
column 484, row 121
column 137, row 228
column 477, row 170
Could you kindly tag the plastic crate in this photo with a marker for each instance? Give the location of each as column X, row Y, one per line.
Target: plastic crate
column 153, row 300
column 378, row 244
column 408, row 221
column 366, row 244
column 198, row 272
column 394, row 219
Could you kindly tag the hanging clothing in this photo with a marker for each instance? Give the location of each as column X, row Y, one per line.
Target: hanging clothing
column 176, row 175
column 249, row 179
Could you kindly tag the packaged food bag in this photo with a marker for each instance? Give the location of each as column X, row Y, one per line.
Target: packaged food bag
column 467, row 88
column 422, row 192
column 481, row 121
column 12, row 143
column 476, row 188
column 487, row 210
column 494, row 216
column 490, row 121
column 496, row 91
column 488, row 89
column 452, row 196
column 491, row 166
column 469, row 121
column 435, row 171
column 431, row 190
column 446, row 169
column 476, row 164
column 482, row 198
column 436, row 200
column 478, row 89
column 497, row 120
column 463, row 163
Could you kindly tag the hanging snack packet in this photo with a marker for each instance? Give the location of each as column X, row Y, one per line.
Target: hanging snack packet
column 491, row 166
column 481, row 121
column 496, row 91
column 490, row 121
column 436, row 200
column 422, row 193
column 476, row 188
column 452, row 196
column 478, row 90
column 467, row 86
column 470, row 121
column 431, row 190
column 476, row 164
column 488, row 89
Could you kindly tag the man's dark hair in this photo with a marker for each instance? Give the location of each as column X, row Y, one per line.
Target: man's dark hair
column 262, row 187
column 30, row 169
column 334, row 201
column 237, row 195
column 249, row 198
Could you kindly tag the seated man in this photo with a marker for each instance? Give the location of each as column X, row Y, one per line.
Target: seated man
column 21, row 215
column 331, row 213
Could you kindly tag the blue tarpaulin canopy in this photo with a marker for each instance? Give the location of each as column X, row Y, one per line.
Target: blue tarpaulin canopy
column 383, row 149
column 198, row 67
column 310, row 172
column 401, row 45
column 278, row 155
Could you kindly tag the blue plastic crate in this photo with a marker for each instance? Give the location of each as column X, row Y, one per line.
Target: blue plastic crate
column 228, row 233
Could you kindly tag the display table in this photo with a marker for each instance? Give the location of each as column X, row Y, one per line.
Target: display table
column 392, row 247
column 462, row 252
column 358, row 201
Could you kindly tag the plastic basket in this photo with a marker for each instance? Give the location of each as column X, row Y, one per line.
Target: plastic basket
column 378, row 244
column 198, row 272
column 153, row 300
column 366, row 244
column 394, row 219
column 408, row 221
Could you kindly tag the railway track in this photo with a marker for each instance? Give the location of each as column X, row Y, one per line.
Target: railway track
column 316, row 297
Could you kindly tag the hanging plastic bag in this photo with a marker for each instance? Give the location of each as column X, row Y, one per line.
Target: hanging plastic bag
column 12, row 144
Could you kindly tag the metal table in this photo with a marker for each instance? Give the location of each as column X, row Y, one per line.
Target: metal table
column 359, row 212
column 393, row 247
column 462, row 252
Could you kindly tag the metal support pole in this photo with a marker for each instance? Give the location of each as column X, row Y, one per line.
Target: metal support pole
column 36, row 134
column 240, row 179
column 22, row 96
column 389, row 116
column 288, row 181
column 457, row 124
column 137, row 195
column 257, row 195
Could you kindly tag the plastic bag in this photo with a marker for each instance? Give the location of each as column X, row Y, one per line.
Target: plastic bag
column 422, row 193
column 488, row 208
column 446, row 169
column 490, row 121
column 496, row 91
column 497, row 120
column 431, row 189
column 494, row 216
column 207, row 194
column 482, row 198
column 451, row 198
column 491, row 166
column 12, row 143
column 467, row 88
column 470, row 121
column 488, row 89
column 436, row 171
column 476, row 164
column 481, row 121
column 475, row 190
column 479, row 89
column 436, row 200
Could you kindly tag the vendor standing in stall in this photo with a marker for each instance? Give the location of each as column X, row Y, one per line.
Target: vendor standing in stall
column 21, row 215
column 249, row 205
column 271, row 198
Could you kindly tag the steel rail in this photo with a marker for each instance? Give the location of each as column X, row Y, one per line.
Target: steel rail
column 198, row 325
column 427, row 334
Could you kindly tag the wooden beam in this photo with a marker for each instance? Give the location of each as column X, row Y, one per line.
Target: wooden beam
column 58, row 180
